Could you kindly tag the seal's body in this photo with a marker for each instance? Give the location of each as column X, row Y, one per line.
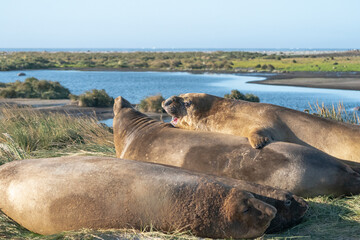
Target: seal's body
column 263, row 123
column 52, row 195
column 298, row 169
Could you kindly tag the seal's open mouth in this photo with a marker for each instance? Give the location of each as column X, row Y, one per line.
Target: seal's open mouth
column 174, row 121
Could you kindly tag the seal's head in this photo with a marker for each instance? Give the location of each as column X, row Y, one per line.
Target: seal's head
column 290, row 212
column 176, row 107
column 243, row 211
column 121, row 103
column 188, row 107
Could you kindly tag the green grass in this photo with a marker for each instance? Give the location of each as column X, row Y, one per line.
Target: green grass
column 323, row 64
column 27, row 133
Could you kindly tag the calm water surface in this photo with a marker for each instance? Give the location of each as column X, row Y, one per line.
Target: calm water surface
column 134, row 86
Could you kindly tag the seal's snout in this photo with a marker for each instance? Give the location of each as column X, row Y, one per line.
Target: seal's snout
column 303, row 206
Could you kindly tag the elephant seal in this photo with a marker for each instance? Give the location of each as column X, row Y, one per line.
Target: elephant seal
column 140, row 138
column 52, row 195
column 302, row 170
column 263, row 123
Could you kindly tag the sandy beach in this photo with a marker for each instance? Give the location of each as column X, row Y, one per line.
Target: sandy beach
column 330, row 80
column 66, row 106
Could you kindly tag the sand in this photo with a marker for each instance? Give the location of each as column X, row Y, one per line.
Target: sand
column 332, row 83
column 66, row 106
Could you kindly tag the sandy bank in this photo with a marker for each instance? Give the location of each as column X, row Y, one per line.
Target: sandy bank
column 330, row 80
column 331, row 83
column 67, row 107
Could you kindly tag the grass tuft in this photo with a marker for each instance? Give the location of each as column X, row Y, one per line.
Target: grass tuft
column 337, row 113
column 151, row 104
column 10, row 150
column 327, row 218
column 26, row 132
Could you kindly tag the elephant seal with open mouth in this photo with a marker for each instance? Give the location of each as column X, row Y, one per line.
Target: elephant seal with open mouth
column 302, row 170
column 264, row 123
column 52, row 195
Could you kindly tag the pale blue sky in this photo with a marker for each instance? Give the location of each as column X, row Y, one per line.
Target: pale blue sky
column 179, row 24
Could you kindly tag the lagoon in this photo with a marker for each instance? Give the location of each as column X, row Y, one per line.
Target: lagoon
column 134, row 86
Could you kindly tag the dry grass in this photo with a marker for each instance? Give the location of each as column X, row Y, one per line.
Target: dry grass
column 337, row 113
column 151, row 104
column 26, row 132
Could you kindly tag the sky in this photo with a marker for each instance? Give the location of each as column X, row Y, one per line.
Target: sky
column 180, row 24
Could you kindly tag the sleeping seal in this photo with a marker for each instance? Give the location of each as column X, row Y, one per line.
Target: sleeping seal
column 263, row 123
column 52, row 195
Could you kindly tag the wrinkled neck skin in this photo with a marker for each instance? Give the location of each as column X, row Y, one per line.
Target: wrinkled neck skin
column 189, row 121
column 128, row 123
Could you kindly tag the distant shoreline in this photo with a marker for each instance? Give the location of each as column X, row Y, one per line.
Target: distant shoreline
column 328, row 80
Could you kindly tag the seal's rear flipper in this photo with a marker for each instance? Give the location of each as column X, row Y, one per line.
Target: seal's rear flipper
column 120, row 103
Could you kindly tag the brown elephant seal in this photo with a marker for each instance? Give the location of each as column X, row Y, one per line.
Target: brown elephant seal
column 135, row 134
column 302, row 170
column 263, row 123
column 52, row 195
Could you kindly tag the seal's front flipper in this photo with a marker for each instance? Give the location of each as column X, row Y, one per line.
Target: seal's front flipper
column 258, row 140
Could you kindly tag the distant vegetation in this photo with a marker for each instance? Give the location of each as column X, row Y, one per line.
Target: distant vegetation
column 94, row 98
column 235, row 94
column 34, row 88
column 44, row 89
column 181, row 61
column 133, row 60
column 151, row 104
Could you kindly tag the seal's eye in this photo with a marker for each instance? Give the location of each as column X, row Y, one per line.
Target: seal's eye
column 187, row 104
column 287, row 202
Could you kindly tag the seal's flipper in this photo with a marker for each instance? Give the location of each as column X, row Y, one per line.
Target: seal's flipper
column 258, row 140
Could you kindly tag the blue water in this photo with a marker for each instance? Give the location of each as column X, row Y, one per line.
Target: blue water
column 135, row 86
column 169, row 49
